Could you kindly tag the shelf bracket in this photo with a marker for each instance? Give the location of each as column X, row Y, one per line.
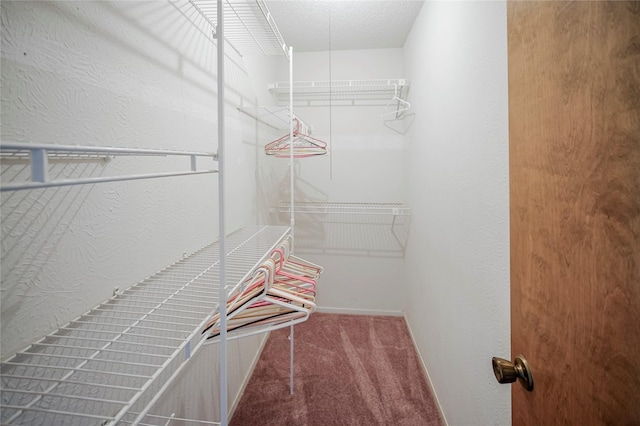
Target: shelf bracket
column 39, row 165
column 400, row 108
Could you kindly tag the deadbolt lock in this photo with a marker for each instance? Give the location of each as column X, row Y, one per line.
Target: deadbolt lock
column 508, row 372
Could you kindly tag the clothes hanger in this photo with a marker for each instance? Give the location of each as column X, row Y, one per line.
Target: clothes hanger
column 294, row 261
column 248, row 292
column 303, row 144
column 290, row 269
column 270, row 297
column 281, row 310
column 400, row 105
column 283, row 280
column 400, row 125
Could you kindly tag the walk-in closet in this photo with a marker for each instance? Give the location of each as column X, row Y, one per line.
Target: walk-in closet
column 229, row 212
column 145, row 162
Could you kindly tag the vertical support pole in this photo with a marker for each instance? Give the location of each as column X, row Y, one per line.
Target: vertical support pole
column 292, row 201
column 291, row 168
column 222, row 291
column 39, row 165
column 291, row 362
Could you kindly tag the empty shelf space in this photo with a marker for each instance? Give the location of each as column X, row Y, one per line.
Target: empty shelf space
column 115, row 359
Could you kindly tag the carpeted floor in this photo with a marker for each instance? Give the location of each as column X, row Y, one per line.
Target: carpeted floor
column 349, row 370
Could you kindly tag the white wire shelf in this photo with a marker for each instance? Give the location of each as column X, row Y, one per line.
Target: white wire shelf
column 340, row 92
column 248, row 26
column 111, row 364
column 322, row 207
column 38, row 156
column 367, row 229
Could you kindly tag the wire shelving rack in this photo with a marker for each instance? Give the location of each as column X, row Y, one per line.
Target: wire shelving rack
column 110, row 364
column 371, row 229
column 341, row 92
column 39, row 156
column 248, row 26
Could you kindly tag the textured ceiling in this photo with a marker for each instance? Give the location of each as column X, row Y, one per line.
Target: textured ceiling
column 316, row 25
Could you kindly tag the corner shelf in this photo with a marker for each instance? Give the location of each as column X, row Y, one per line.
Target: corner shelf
column 341, row 92
column 112, row 363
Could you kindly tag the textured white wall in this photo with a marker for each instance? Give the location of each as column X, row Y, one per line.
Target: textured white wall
column 125, row 74
column 457, row 180
column 83, row 74
column 363, row 263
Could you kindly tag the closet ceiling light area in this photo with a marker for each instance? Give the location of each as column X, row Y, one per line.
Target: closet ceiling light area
column 311, row 26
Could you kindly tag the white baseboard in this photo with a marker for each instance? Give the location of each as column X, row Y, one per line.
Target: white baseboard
column 245, row 381
column 426, row 372
column 348, row 311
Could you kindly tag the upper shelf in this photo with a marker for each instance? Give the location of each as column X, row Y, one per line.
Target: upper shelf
column 248, row 26
column 38, row 156
column 341, row 92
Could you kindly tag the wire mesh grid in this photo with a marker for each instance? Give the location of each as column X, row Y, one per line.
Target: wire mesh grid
column 24, row 150
column 41, row 173
column 346, row 208
column 24, row 156
column 372, row 229
column 248, row 26
column 117, row 358
column 341, row 90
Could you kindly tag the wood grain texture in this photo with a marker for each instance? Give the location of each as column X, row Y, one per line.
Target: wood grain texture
column 574, row 119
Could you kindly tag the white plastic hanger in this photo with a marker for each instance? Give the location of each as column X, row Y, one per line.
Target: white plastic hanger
column 399, row 105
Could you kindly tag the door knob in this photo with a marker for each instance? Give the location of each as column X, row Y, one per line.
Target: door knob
column 507, row 371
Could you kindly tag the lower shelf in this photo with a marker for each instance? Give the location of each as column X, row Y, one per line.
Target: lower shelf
column 363, row 229
column 112, row 363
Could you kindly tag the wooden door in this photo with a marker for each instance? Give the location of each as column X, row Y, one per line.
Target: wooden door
column 574, row 132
